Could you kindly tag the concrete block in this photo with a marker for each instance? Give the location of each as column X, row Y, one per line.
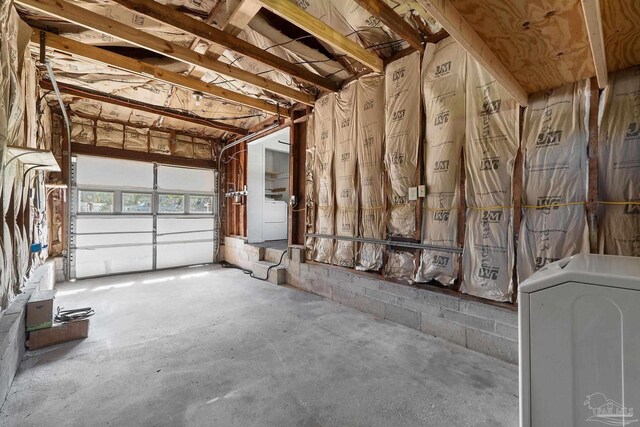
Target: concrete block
column 439, row 327
column 493, row 345
column 366, row 282
column 297, row 255
column 339, row 276
column 320, row 288
column 417, row 305
column 294, row 267
column 397, row 289
column 379, row 295
column 437, row 298
column 276, row 275
column 402, row 315
column 305, row 269
column 370, row 305
column 469, row 320
column 507, row 331
column 343, row 296
column 320, row 273
column 488, row 311
column 298, row 282
column 273, row 255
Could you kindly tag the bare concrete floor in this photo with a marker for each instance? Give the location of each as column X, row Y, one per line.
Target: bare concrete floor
column 212, row 347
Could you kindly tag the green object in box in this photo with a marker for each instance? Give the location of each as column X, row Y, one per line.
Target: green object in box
column 40, row 310
column 43, row 325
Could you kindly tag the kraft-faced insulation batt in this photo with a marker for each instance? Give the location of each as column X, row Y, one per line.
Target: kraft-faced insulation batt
column 370, row 114
column 402, row 118
column 443, row 88
column 619, row 165
column 555, row 170
column 310, row 190
column 323, row 175
column 490, row 149
column 344, row 167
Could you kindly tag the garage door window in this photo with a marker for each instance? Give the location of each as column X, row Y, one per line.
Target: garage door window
column 136, row 202
column 171, row 203
column 95, row 201
column 200, row 204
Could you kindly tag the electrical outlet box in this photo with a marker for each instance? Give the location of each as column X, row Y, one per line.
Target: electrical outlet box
column 413, row 193
column 422, row 191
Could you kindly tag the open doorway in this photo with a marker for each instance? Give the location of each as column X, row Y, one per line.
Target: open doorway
column 268, row 188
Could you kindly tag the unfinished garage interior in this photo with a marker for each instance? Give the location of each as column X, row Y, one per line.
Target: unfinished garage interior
column 320, row 212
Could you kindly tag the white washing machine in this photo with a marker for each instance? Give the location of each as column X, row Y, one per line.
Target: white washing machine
column 580, row 343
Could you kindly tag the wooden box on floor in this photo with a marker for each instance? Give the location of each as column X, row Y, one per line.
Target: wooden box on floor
column 58, row 334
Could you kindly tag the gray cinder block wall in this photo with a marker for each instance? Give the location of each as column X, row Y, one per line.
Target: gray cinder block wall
column 463, row 320
column 12, row 326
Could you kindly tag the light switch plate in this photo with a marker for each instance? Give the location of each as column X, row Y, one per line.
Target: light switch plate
column 422, row 191
column 413, row 193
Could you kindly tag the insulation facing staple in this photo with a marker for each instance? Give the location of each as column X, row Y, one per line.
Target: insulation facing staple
column 324, row 138
column 555, row 170
column 490, row 149
column 443, row 88
column 370, row 114
column 345, row 157
column 402, row 127
column 619, row 165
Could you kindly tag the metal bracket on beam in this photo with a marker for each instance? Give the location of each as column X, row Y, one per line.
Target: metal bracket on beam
column 43, row 47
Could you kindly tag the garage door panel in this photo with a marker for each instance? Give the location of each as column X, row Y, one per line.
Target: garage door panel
column 184, row 179
column 180, row 229
column 113, row 239
column 134, row 236
column 101, row 172
column 86, row 224
column 177, row 254
column 105, row 261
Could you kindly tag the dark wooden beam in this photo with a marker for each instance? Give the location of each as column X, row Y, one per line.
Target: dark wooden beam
column 388, row 16
column 211, row 34
column 118, row 153
column 141, row 106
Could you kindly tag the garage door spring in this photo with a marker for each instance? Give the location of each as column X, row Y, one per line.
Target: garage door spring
column 64, row 316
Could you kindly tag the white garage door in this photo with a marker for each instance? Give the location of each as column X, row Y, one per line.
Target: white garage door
column 134, row 216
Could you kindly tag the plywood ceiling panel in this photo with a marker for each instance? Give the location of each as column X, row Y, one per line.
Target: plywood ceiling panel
column 544, row 43
column 621, row 27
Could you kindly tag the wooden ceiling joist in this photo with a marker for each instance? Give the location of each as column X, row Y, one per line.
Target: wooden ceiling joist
column 211, row 34
column 142, row 106
column 457, row 26
column 96, row 22
column 391, row 19
column 121, row 62
column 593, row 20
column 288, row 10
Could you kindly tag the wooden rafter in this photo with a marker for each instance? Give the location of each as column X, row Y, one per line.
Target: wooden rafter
column 391, row 19
column 142, row 106
column 288, row 10
column 96, row 54
column 93, row 21
column 211, row 34
column 593, row 20
column 457, row 26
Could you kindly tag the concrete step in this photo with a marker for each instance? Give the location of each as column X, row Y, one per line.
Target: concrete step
column 273, row 255
column 277, row 275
